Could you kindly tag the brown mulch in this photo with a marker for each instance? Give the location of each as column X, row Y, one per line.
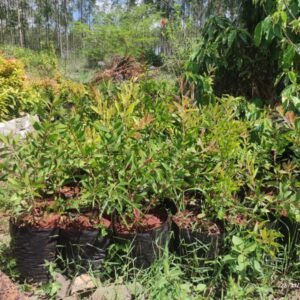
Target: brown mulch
column 123, row 68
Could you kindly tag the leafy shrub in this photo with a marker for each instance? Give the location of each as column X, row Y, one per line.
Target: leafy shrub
column 152, row 58
column 239, row 67
column 119, row 32
column 42, row 63
column 16, row 94
column 280, row 27
column 256, row 55
column 132, row 145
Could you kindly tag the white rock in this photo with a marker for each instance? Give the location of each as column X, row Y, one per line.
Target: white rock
column 113, row 292
column 82, row 283
column 19, row 126
column 62, row 293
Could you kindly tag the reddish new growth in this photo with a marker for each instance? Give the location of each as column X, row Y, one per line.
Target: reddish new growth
column 163, row 22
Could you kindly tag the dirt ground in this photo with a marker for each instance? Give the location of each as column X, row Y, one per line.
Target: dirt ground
column 8, row 290
column 4, row 228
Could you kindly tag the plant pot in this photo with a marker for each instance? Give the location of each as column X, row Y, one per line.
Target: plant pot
column 83, row 247
column 32, row 247
column 192, row 240
column 146, row 245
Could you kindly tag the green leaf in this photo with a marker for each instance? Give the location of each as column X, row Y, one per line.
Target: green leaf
column 200, row 287
column 228, row 258
column 102, row 128
column 257, row 266
column 221, row 214
column 267, row 28
column 288, row 56
column 283, row 16
column 131, row 108
column 13, row 182
column 37, row 126
column 293, row 77
column 250, row 248
column 258, row 34
column 231, row 37
column 237, row 241
column 96, row 109
column 242, row 261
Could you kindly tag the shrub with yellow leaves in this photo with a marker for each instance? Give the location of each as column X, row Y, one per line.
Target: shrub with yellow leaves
column 16, row 93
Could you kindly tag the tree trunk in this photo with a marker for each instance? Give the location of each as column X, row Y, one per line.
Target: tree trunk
column 20, row 27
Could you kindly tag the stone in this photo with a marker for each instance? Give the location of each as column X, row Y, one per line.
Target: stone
column 73, row 297
column 20, row 126
column 81, row 284
column 113, row 292
column 101, row 63
column 62, row 293
column 23, row 133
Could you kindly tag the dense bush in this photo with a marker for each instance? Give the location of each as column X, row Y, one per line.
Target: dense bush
column 22, row 93
column 137, row 145
column 127, row 147
column 16, row 94
column 137, row 148
column 119, row 32
column 227, row 51
column 38, row 63
column 254, row 55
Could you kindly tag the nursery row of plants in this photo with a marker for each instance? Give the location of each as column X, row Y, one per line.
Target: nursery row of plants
column 210, row 190
column 173, row 169
column 114, row 166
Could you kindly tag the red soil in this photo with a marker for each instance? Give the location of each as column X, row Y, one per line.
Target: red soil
column 139, row 223
column 83, row 222
column 69, row 192
column 43, row 204
column 37, row 220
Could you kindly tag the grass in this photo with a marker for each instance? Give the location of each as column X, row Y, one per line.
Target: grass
column 75, row 68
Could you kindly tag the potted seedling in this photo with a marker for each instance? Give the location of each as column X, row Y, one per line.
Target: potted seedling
column 147, row 232
column 142, row 222
column 210, row 150
column 196, row 233
column 34, row 238
column 84, row 231
column 33, row 222
column 33, row 230
column 131, row 182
